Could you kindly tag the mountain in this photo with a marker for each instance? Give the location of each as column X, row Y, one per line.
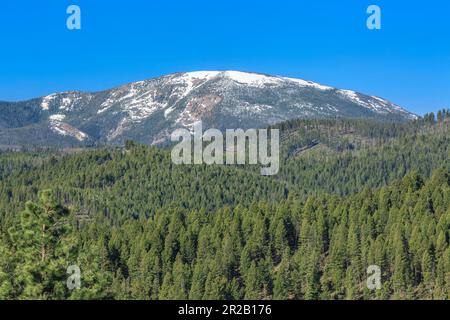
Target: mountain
column 147, row 111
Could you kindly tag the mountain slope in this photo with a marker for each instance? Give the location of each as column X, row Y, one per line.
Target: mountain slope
column 141, row 220
column 148, row 111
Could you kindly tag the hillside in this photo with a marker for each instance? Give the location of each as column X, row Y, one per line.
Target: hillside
column 148, row 111
column 350, row 193
column 144, row 179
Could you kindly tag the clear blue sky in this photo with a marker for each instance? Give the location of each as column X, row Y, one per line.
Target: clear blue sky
column 407, row 61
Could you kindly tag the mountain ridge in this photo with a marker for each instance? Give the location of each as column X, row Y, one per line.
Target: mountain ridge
column 148, row 110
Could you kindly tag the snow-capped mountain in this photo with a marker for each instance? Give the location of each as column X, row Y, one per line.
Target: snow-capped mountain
column 147, row 111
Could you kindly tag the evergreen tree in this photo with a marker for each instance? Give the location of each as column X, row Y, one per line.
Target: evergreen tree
column 42, row 248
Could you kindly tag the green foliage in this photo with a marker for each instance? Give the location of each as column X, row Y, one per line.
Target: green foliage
column 350, row 194
column 42, row 246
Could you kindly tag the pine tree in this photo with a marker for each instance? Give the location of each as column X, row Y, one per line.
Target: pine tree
column 312, row 285
column 401, row 272
column 181, row 280
column 252, row 283
column 283, row 282
column 43, row 247
column 6, row 289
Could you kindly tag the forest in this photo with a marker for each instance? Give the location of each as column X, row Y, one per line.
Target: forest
column 350, row 194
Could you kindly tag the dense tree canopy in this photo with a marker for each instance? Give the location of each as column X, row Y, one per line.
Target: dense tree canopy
column 350, row 194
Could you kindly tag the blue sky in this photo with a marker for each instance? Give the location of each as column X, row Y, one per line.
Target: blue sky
column 407, row 61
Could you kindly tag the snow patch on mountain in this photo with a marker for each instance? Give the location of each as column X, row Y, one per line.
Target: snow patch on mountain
column 45, row 104
column 252, row 79
column 203, row 75
column 351, row 95
column 57, row 117
column 306, row 83
column 168, row 111
column 58, row 126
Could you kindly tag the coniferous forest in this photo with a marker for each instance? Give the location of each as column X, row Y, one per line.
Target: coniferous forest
column 350, row 194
